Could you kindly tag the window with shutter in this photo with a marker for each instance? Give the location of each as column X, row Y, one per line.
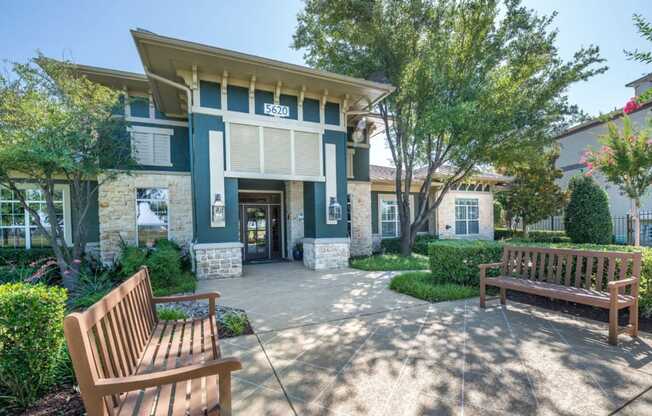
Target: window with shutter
column 151, row 146
column 244, row 148
column 306, row 154
column 349, row 163
column 278, row 155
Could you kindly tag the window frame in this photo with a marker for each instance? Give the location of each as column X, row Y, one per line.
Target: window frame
column 151, row 132
column 392, row 197
column 67, row 220
column 467, row 220
column 167, row 202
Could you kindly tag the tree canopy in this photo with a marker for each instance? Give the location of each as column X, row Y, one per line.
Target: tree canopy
column 476, row 81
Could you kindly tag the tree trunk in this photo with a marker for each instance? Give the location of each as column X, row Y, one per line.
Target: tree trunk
column 525, row 232
column 637, row 222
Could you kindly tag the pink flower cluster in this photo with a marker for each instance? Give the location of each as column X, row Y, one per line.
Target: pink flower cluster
column 631, row 106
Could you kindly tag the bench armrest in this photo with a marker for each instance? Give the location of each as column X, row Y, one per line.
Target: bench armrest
column 617, row 284
column 119, row 385
column 491, row 265
column 185, row 298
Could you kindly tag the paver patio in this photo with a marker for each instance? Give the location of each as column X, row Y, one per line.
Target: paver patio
column 342, row 343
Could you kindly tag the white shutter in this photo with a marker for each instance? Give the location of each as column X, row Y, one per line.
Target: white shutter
column 244, row 148
column 349, row 162
column 278, row 155
column 161, row 154
column 142, row 147
column 306, row 154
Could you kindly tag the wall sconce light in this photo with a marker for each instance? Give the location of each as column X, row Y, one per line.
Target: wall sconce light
column 217, row 211
column 334, row 210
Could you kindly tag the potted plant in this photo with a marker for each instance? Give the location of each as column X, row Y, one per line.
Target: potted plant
column 297, row 252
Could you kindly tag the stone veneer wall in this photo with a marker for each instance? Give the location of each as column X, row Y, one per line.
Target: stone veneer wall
column 361, row 240
column 325, row 253
column 446, row 215
column 294, row 210
column 220, row 260
column 117, row 209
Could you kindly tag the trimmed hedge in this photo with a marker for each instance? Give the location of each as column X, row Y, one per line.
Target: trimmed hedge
column 31, row 338
column 393, row 245
column 457, row 260
column 23, row 257
column 587, row 218
column 534, row 236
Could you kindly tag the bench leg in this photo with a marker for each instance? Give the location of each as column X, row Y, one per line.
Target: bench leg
column 225, row 393
column 633, row 319
column 613, row 326
column 482, row 294
column 503, row 296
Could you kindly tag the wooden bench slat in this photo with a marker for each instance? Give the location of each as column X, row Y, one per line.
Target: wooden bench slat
column 156, row 354
column 197, row 399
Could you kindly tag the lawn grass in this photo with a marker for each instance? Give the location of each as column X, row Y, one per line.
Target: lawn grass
column 422, row 286
column 382, row 262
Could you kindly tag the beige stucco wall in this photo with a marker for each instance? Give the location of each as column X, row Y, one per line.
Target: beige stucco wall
column 574, row 145
column 294, row 214
column 117, row 209
column 446, row 215
column 360, row 193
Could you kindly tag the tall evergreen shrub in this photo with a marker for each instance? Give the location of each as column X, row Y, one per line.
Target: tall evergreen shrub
column 587, row 218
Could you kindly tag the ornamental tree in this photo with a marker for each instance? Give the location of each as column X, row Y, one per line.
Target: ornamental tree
column 587, row 218
column 476, row 81
column 534, row 193
column 57, row 127
column 625, row 159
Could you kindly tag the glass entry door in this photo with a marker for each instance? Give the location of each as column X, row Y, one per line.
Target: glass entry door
column 255, row 232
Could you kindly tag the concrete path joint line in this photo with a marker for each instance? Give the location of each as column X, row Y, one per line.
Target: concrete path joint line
column 276, row 375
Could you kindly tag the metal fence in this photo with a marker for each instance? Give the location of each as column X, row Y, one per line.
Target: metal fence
column 623, row 227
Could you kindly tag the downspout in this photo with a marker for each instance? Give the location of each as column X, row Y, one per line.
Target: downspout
column 190, row 140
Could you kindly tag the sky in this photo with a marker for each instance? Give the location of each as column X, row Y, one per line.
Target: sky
column 97, row 33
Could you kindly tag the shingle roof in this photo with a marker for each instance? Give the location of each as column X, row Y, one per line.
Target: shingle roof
column 387, row 174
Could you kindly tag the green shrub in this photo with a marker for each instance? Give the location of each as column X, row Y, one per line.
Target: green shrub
column 421, row 285
column 171, row 314
column 11, row 274
column 90, row 288
column 235, row 323
column 23, row 257
column 390, row 262
column 131, row 260
column 534, row 236
column 393, row 245
column 31, row 338
column 506, row 233
column 587, row 218
column 164, row 265
column 456, row 261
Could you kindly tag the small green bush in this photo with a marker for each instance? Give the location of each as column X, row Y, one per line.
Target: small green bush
column 235, row 323
column 164, row 265
column 456, row 261
column 171, row 314
column 506, row 233
column 23, row 257
column 31, row 338
column 421, row 285
column 90, row 288
column 131, row 260
column 534, row 236
column 587, row 218
column 385, row 262
column 393, row 245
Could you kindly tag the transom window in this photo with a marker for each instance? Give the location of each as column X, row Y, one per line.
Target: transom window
column 466, row 216
column 17, row 228
column 389, row 220
column 152, row 215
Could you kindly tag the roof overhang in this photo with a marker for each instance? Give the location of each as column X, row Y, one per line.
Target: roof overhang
column 114, row 78
column 171, row 58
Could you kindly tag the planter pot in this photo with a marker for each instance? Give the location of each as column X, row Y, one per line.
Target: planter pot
column 297, row 254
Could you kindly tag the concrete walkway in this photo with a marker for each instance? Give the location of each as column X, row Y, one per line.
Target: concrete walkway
column 341, row 343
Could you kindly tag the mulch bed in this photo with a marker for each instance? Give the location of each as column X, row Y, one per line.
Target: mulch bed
column 583, row 311
column 62, row 402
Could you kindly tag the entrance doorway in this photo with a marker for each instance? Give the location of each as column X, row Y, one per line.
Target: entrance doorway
column 261, row 226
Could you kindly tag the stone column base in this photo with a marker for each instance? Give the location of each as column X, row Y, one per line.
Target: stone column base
column 218, row 260
column 326, row 253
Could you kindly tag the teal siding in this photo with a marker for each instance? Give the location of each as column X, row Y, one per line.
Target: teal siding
column 139, row 107
column 311, row 110
column 374, row 212
column 180, row 154
column 332, row 113
column 261, row 98
column 261, row 185
column 237, row 99
column 202, row 124
column 210, row 95
column 314, row 196
column 361, row 164
column 290, row 101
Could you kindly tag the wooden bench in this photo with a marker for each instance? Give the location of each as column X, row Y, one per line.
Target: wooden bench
column 129, row 362
column 607, row 280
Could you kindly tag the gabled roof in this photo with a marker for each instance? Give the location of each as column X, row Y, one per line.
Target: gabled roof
column 387, row 174
column 114, row 78
column 599, row 120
